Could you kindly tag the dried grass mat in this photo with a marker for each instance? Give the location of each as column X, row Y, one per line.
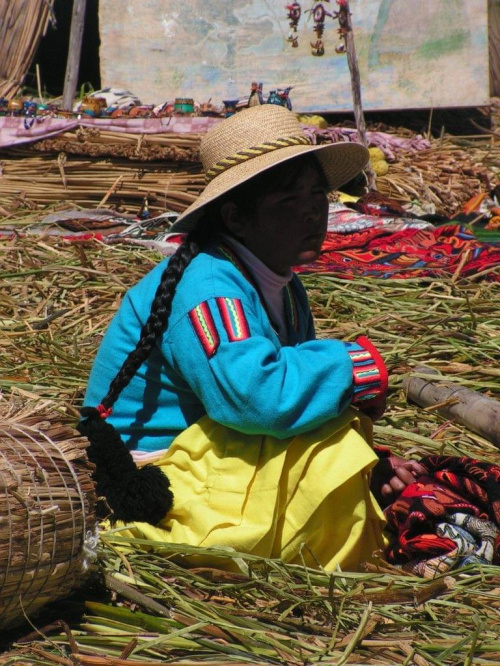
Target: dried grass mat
column 56, row 300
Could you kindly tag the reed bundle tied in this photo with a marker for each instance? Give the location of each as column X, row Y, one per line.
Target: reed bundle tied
column 47, row 512
column 94, row 142
column 23, row 24
column 36, row 181
column 88, row 165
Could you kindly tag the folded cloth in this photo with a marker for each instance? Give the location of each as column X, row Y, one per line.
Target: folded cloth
column 449, row 517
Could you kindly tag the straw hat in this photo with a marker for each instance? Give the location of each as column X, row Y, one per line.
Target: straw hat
column 257, row 139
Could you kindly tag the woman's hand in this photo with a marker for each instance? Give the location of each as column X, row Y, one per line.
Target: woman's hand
column 391, row 475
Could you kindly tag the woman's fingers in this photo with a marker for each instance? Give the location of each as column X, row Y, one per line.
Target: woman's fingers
column 404, row 475
column 396, row 473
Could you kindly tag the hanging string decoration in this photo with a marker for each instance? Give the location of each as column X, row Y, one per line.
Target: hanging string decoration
column 318, row 13
column 341, row 17
column 294, row 13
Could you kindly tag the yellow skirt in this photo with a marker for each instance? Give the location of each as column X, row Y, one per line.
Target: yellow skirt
column 305, row 499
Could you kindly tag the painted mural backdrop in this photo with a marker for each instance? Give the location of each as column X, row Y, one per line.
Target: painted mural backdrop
column 411, row 53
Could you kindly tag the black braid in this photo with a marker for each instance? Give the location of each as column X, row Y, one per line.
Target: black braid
column 132, row 493
column 161, row 308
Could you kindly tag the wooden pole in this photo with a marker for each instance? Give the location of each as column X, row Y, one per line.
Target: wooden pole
column 344, row 18
column 74, row 53
column 474, row 410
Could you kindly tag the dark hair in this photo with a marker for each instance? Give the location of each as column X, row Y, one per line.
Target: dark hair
column 132, row 493
column 143, row 494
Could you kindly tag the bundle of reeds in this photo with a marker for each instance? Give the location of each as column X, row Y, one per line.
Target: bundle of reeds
column 122, row 168
column 94, row 142
column 22, row 24
column 444, row 176
column 47, row 514
column 32, row 182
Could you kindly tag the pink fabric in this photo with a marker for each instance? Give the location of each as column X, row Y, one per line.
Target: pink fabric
column 16, row 130
column 389, row 144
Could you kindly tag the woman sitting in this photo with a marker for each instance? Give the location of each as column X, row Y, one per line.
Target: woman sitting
column 211, row 370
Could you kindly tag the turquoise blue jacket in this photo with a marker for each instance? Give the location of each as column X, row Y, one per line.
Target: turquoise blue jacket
column 220, row 356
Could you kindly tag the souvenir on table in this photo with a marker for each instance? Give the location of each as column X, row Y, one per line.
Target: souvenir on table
column 255, row 94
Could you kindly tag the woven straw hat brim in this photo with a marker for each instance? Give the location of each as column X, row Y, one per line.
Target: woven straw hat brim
column 341, row 162
column 252, row 127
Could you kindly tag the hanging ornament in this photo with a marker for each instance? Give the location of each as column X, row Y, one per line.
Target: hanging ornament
column 294, row 13
column 319, row 14
column 341, row 17
column 318, row 48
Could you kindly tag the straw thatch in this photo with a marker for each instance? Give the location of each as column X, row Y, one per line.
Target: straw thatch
column 22, row 24
column 47, row 515
column 445, row 176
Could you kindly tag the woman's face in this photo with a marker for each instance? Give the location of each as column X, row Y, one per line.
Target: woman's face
column 288, row 225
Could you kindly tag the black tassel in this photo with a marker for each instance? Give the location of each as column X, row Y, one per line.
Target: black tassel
column 133, row 494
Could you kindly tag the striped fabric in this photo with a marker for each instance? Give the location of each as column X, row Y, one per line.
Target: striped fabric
column 233, row 319
column 369, row 371
column 204, row 327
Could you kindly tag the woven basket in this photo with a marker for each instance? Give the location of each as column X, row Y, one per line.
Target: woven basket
column 47, row 512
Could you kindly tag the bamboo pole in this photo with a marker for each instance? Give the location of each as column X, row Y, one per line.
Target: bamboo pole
column 472, row 409
column 344, row 18
column 74, row 53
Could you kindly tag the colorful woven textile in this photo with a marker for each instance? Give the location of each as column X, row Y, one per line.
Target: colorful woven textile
column 344, row 220
column 448, row 517
column 375, row 252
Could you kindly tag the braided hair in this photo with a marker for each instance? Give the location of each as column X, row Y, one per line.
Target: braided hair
column 132, row 493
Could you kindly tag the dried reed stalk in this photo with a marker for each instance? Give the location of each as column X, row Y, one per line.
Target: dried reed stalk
column 23, row 24
column 444, row 176
column 43, row 180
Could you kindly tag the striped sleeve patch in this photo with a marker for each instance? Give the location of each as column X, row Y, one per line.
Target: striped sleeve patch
column 204, row 327
column 233, row 319
column 366, row 374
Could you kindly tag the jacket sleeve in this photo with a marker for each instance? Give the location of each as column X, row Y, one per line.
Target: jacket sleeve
column 246, row 381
